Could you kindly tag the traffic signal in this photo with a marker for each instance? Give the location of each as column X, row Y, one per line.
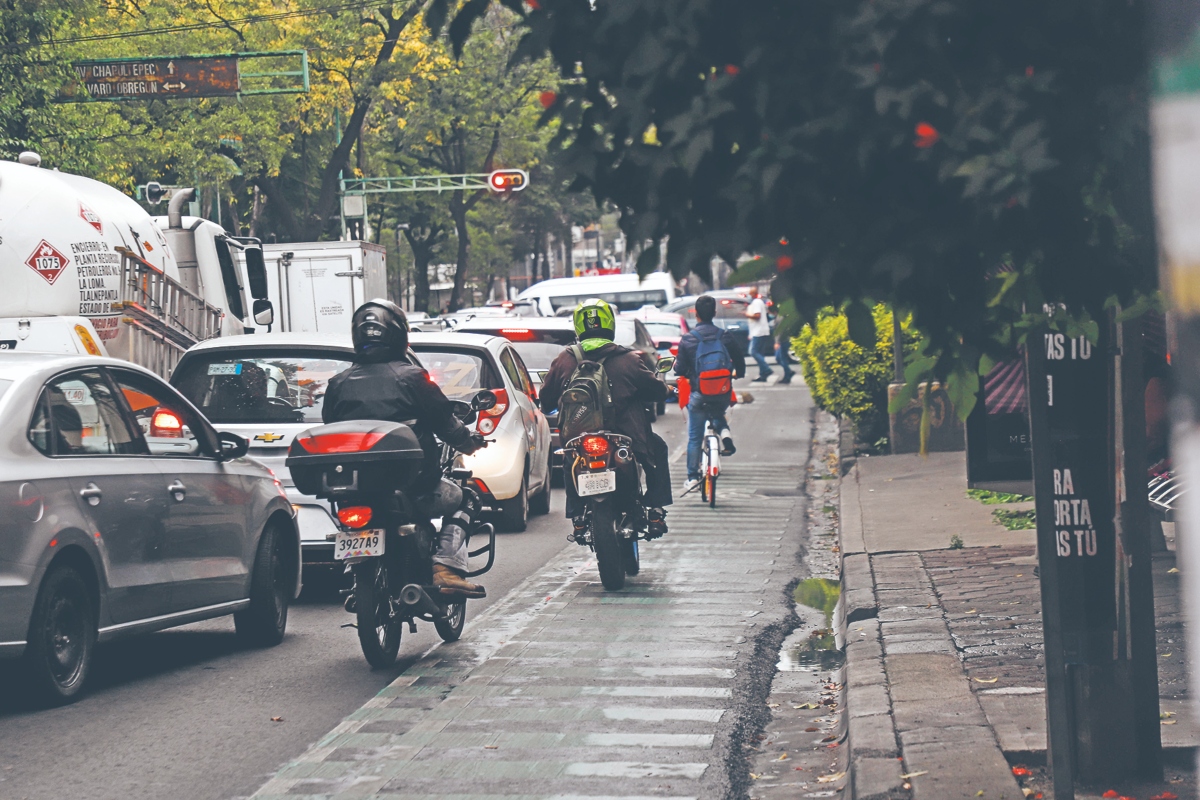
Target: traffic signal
column 508, row 180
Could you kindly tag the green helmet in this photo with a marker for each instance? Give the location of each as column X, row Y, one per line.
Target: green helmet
column 594, row 319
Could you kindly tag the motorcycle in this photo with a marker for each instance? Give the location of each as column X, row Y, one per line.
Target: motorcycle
column 610, row 483
column 367, row 470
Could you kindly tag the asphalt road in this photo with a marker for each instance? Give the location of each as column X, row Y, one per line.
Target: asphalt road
column 191, row 708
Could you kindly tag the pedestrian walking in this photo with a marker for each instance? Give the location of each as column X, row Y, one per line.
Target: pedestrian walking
column 761, row 341
column 783, row 357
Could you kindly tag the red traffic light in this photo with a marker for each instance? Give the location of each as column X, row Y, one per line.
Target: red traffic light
column 508, row 180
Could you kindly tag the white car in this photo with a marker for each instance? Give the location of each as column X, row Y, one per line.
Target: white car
column 513, row 471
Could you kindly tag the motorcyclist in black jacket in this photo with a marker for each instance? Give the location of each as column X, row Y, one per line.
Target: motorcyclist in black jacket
column 383, row 384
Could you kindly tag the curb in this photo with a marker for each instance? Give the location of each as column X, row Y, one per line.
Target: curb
column 873, row 748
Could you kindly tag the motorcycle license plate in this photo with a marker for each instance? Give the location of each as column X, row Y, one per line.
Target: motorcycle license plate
column 589, row 483
column 360, row 544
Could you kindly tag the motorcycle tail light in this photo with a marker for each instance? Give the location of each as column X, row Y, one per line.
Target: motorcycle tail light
column 601, row 464
column 488, row 420
column 595, row 445
column 339, row 442
column 166, row 424
column 355, row 516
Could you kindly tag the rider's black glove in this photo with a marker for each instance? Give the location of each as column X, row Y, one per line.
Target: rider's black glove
column 475, row 441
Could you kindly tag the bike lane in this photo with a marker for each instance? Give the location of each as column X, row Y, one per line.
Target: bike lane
column 564, row 690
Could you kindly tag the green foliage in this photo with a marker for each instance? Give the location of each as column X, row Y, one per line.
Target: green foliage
column 956, row 542
column 990, row 498
column 1015, row 520
column 819, row 593
column 844, row 377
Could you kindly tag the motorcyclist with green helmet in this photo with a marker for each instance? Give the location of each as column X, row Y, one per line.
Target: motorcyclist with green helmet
column 633, row 387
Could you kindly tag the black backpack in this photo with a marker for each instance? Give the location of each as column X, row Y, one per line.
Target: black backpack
column 586, row 402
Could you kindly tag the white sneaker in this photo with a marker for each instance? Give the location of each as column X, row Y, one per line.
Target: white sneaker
column 690, row 485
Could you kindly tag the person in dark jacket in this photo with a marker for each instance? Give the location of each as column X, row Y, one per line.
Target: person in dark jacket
column 633, row 386
column 383, row 384
column 701, row 408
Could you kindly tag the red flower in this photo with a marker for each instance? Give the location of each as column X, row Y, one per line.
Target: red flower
column 534, row 4
column 732, row 69
column 783, row 263
column 927, row 135
column 547, row 98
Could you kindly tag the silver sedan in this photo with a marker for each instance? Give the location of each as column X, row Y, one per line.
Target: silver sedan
column 123, row 511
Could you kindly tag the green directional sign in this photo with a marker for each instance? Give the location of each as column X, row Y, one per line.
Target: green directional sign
column 184, row 77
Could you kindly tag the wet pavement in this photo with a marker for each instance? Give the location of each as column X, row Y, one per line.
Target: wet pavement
column 562, row 689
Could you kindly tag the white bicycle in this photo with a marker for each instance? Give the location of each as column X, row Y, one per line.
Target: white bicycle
column 710, row 465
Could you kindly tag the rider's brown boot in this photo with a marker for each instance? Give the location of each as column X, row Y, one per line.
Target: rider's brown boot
column 449, row 581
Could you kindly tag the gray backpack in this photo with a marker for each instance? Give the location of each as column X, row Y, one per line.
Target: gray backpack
column 587, row 401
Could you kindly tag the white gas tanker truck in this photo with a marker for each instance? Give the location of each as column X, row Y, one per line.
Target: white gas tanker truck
column 84, row 269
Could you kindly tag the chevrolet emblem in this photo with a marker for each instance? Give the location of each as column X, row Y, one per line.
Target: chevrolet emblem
column 268, row 437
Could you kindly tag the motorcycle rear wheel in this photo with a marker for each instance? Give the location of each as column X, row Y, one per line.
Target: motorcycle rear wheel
column 630, row 556
column 607, row 546
column 451, row 627
column 378, row 630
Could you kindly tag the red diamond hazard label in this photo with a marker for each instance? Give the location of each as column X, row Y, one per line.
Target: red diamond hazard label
column 47, row 262
column 91, row 217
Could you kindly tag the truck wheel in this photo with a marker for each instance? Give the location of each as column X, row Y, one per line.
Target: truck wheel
column 62, row 636
column 514, row 512
column 263, row 622
column 608, row 549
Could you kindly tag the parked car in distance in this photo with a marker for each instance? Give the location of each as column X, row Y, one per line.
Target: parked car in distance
column 666, row 328
column 624, row 292
column 632, row 333
column 266, row 388
column 518, row 308
column 539, row 340
column 127, row 512
column 731, row 313
column 512, row 473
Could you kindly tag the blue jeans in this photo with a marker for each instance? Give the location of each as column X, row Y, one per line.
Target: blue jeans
column 700, row 412
column 760, row 348
column 782, row 357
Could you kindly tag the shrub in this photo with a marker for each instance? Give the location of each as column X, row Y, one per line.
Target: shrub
column 845, row 379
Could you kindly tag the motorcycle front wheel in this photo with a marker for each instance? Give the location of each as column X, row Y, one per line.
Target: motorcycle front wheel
column 378, row 629
column 607, row 546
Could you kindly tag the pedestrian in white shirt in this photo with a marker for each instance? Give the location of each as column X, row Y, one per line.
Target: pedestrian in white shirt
column 762, row 344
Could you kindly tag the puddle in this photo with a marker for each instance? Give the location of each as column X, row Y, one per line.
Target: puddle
column 809, row 649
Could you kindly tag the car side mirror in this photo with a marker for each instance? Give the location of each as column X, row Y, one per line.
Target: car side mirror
column 264, row 313
column 666, row 364
column 483, row 400
column 232, row 445
column 256, row 273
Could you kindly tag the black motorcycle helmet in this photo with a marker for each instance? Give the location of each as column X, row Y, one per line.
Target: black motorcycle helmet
column 380, row 332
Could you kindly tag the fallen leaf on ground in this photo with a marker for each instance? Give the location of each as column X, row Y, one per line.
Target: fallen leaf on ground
column 806, row 705
column 276, row 719
column 783, row 757
column 1167, row 655
column 1172, row 569
column 491, row 747
column 972, row 611
column 1027, row 791
column 979, row 793
column 1166, row 715
column 837, row 776
column 772, row 705
column 1169, row 722
column 1021, row 772
column 811, row 730
column 753, row 777
column 985, row 680
column 914, row 774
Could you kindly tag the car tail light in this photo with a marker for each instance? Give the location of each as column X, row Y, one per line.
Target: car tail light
column 595, row 446
column 518, row 334
column 482, row 486
column 339, row 442
column 674, row 349
column 166, row 424
column 355, row 516
column 488, row 420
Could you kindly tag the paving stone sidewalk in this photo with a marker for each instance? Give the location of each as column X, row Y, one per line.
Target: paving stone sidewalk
column 945, row 667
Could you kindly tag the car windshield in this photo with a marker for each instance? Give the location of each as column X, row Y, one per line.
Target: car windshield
column 459, row 373
column 249, row 386
column 537, row 347
column 622, row 301
column 663, row 330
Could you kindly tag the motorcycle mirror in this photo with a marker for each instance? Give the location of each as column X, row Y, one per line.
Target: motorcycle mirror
column 462, row 410
column 666, row 364
column 484, row 400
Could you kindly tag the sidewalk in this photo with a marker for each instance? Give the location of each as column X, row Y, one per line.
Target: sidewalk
column 945, row 667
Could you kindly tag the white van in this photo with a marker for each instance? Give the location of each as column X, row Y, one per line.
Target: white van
column 625, row 292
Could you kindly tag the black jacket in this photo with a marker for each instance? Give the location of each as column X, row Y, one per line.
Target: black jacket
column 685, row 361
column 397, row 391
column 631, row 383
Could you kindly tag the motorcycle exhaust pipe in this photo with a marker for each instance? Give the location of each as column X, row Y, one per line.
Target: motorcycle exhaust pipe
column 418, row 601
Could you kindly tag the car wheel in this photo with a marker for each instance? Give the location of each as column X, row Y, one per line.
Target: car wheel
column 62, row 636
column 263, row 622
column 514, row 512
column 540, row 503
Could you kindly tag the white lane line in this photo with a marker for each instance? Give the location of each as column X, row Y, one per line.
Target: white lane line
column 634, row 769
column 665, row 714
column 627, row 739
column 655, row 691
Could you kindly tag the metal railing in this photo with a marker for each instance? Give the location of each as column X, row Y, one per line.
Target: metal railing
column 1164, row 491
column 160, row 318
